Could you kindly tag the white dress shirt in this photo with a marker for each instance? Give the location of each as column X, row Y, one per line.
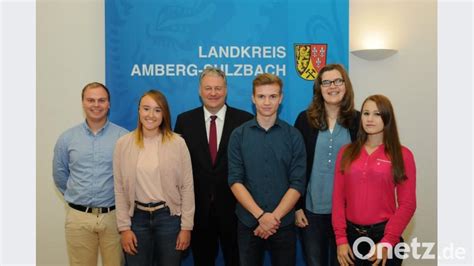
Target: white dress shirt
column 219, row 123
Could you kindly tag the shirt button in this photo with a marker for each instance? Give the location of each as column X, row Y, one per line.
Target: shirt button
column 329, row 160
column 330, row 147
column 330, row 139
column 330, row 153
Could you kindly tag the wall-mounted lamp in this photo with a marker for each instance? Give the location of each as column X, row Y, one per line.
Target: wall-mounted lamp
column 374, row 54
column 373, row 43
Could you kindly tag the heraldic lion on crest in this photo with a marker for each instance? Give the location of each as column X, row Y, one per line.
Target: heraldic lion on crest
column 303, row 54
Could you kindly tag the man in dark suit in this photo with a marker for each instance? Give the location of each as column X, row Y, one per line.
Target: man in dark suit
column 206, row 130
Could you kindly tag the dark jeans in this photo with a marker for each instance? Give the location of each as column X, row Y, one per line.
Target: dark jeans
column 373, row 232
column 282, row 246
column 156, row 234
column 318, row 240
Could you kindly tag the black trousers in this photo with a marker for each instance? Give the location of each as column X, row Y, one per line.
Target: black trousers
column 375, row 233
column 281, row 245
column 205, row 241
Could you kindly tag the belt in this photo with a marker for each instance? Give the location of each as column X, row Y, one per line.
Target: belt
column 94, row 210
column 365, row 229
column 150, row 207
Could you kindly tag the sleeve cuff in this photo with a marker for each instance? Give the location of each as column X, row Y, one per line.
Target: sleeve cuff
column 341, row 241
column 299, row 189
column 391, row 240
column 183, row 227
column 232, row 182
column 124, row 228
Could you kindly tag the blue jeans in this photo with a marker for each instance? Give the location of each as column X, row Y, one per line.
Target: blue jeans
column 156, row 234
column 318, row 240
column 282, row 246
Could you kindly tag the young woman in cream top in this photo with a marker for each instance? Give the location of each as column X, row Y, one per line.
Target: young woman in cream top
column 153, row 187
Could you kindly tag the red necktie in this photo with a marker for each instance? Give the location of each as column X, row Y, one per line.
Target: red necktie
column 213, row 138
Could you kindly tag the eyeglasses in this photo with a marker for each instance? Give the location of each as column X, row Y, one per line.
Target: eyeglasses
column 327, row 83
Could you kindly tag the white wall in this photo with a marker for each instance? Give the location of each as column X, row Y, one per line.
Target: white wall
column 409, row 79
column 70, row 53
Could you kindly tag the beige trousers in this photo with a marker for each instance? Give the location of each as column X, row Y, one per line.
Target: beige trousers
column 86, row 233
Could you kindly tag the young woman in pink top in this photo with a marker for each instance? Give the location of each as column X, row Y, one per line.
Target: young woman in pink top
column 374, row 189
column 154, row 191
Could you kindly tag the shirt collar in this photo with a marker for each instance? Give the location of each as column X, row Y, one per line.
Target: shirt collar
column 278, row 122
column 336, row 128
column 254, row 123
column 220, row 114
column 89, row 130
column 379, row 149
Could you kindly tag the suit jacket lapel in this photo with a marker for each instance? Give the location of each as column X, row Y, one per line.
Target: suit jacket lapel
column 226, row 131
column 202, row 134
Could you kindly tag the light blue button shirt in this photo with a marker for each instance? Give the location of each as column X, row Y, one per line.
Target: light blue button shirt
column 320, row 186
column 82, row 164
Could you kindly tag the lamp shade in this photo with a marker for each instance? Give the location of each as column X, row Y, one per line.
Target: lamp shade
column 374, row 54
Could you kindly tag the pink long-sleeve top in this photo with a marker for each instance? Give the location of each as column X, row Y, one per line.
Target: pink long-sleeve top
column 176, row 180
column 366, row 194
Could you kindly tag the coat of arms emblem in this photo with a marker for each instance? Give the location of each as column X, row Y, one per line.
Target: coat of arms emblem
column 309, row 59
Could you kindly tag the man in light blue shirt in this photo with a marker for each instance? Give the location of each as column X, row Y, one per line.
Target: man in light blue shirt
column 82, row 171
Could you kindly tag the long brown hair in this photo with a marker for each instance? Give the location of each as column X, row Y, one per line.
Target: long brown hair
column 316, row 112
column 165, row 127
column 393, row 148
